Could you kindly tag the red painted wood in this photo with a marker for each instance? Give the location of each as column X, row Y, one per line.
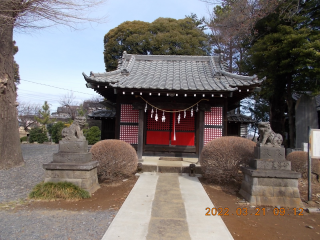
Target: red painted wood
column 158, row 137
column 183, row 139
column 160, row 133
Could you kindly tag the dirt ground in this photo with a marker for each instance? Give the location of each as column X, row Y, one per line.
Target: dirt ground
column 109, row 196
column 268, row 225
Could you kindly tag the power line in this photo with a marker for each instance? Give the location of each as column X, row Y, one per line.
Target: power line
column 57, row 87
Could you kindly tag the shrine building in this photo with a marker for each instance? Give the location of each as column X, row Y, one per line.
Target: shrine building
column 170, row 105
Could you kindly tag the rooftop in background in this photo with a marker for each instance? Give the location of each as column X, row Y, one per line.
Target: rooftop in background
column 236, row 117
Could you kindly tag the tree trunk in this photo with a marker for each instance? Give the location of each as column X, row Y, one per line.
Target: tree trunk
column 230, row 56
column 10, row 150
column 277, row 109
column 290, row 113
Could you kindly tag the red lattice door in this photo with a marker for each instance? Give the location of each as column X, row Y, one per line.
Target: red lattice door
column 171, row 132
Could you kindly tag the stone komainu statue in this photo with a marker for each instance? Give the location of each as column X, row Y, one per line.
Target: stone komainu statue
column 74, row 131
column 267, row 136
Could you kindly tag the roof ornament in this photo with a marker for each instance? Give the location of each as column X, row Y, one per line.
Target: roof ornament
column 221, row 55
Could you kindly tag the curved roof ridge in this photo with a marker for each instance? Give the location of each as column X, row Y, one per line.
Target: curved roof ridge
column 236, row 76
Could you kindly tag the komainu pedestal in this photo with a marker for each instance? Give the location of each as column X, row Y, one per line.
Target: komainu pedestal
column 73, row 163
column 269, row 179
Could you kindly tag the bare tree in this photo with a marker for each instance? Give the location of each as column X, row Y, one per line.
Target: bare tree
column 238, row 18
column 23, row 15
column 69, row 105
column 92, row 104
column 232, row 22
column 27, row 113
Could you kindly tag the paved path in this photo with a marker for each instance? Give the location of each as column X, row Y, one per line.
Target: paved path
column 166, row 206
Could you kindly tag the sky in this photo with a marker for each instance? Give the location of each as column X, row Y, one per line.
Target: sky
column 57, row 56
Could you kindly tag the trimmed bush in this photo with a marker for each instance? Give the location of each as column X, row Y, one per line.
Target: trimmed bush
column 24, row 139
column 38, row 135
column 60, row 190
column 56, row 131
column 299, row 162
column 221, row 158
column 93, row 135
column 117, row 159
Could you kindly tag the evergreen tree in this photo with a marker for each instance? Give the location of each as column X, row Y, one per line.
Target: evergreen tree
column 44, row 115
column 38, row 135
column 288, row 54
column 164, row 36
column 56, row 131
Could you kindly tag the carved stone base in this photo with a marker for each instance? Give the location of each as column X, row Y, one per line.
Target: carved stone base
column 269, row 152
column 83, row 175
column 271, row 187
column 270, row 164
column 73, row 147
column 62, row 157
column 269, row 179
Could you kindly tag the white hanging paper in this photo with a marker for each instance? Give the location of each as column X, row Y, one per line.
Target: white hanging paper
column 163, row 117
column 179, row 118
column 191, row 112
column 151, row 112
column 145, row 109
column 197, row 109
column 174, row 126
column 156, row 116
column 184, row 114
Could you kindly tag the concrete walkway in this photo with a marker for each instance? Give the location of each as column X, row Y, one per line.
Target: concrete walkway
column 166, row 206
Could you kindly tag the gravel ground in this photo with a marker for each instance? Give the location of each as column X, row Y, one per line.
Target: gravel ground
column 16, row 183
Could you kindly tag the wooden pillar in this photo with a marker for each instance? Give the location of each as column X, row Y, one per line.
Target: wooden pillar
column 140, row 135
column 117, row 123
column 201, row 131
column 225, row 118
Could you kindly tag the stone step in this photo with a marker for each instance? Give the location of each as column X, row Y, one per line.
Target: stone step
column 167, row 168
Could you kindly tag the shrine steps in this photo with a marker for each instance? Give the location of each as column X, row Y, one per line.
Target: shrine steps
column 153, row 164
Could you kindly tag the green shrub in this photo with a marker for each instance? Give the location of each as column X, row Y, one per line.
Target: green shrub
column 38, row 135
column 93, row 135
column 299, row 162
column 117, row 159
column 56, row 130
column 221, row 158
column 24, row 139
column 60, row 190
column 49, row 128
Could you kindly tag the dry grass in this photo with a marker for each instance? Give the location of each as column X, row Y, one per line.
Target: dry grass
column 60, row 190
column 299, row 162
column 117, row 159
column 221, row 158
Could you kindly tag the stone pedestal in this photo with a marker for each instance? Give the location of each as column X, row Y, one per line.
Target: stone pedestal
column 73, row 164
column 269, row 179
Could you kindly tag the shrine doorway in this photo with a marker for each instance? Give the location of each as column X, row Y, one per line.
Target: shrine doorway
column 170, row 129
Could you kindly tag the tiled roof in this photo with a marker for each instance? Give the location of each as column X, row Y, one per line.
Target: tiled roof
column 104, row 113
column 239, row 118
column 171, row 72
